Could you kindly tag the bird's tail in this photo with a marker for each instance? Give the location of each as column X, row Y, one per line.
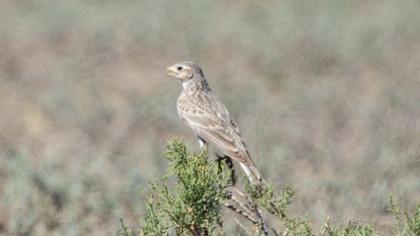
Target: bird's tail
column 252, row 172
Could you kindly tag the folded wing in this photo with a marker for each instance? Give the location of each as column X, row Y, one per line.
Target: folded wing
column 213, row 123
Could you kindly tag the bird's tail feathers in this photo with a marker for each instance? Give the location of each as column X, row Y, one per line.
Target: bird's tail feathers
column 252, row 173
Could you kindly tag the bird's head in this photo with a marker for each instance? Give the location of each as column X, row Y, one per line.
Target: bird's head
column 184, row 71
column 187, row 72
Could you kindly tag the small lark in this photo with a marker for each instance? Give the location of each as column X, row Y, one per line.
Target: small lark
column 208, row 117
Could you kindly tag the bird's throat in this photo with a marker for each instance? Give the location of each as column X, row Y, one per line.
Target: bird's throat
column 190, row 85
column 195, row 84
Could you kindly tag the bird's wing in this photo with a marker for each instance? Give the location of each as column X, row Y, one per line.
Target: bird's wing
column 211, row 121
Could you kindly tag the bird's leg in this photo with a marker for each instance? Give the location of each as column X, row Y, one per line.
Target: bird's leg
column 204, row 147
column 203, row 144
column 229, row 164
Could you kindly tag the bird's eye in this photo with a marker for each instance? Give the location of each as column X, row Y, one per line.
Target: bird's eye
column 179, row 68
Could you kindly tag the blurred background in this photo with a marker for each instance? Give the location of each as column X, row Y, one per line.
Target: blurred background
column 327, row 95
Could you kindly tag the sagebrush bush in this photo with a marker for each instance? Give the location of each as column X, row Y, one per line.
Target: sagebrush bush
column 189, row 199
column 405, row 225
column 193, row 204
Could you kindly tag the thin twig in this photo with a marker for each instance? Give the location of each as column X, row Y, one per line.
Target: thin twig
column 255, row 211
column 261, row 222
column 240, row 212
column 235, row 189
column 240, row 224
column 194, row 231
column 275, row 232
column 325, row 226
column 243, row 206
column 246, row 212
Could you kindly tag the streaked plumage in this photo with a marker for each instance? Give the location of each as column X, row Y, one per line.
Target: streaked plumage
column 208, row 117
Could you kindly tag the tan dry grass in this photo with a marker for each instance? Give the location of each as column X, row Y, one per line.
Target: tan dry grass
column 327, row 95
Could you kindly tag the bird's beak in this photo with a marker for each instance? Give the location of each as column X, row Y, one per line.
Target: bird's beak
column 172, row 71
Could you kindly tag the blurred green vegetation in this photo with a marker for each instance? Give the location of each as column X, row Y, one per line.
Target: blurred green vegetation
column 193, row 195
column 193, row 205
column 327, row 95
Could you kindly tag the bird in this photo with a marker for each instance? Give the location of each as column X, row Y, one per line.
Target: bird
column 209, row 118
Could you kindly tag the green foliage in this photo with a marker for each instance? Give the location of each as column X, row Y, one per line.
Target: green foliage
column 124, row 231
column 154, row 223
column 264, row 196
column 405, row 225
column 278, row 205
column 193, row 204
column 414, row 221
column 353, row 228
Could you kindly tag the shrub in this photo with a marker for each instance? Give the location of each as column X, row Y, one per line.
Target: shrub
column 188, row 200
